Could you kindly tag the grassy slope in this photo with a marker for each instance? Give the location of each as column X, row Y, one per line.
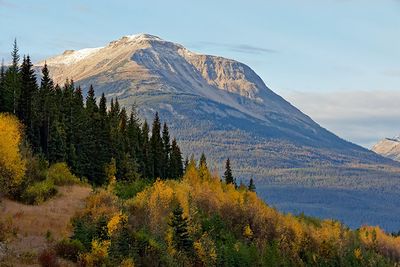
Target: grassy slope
column 33, row 222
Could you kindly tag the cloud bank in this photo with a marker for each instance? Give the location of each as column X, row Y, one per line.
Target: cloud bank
column 362, row 117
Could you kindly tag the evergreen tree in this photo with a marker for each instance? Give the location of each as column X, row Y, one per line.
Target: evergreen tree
column 228, row 173
column 204, row 173
column 103, row 105
column 91, row 105
column 134, row 138
column 175, row 167
column 57, row 142
column 252, row 186
column 179, row 225
column 95, row 155
column 28, row 90
column 123, row 122
column 12, row 82
column 45, row 109
column 147, row 167
column 166, row 152
column 113, row 118
column 156, row 148
column 127, row 168
column 104, row 151
column 79, row 156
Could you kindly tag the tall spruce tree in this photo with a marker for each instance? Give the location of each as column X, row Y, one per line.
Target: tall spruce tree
column 57, row 142
column 166, row 152
column 103, row 132
column 228, row 173
column 46, row 112
column 204, row 173
column 91, row 105
column 95, row 168
column 252, row 186
column 134, row 137
column 78, row 156
column 12, row 82
column 156, row 148
column 175, row 166
column 181, row 237
column 28, row 91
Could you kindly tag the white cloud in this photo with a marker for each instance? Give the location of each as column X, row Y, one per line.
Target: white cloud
column 363, row 117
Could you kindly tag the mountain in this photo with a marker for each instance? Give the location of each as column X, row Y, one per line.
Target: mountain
column 223, row 108
column 220, row 103
column 388, row 147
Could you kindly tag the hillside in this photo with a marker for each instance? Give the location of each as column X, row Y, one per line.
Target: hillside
column 33, row 223
column 388, row 147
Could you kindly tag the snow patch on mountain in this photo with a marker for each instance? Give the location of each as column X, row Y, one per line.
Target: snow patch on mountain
column 72, row 56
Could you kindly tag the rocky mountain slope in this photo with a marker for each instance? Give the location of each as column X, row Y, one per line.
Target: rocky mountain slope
column 388, row 147
column 214, row 104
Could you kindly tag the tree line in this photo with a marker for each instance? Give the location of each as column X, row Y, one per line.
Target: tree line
column 96, row 142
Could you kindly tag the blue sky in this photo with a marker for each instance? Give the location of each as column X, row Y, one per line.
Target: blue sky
column 301, row 49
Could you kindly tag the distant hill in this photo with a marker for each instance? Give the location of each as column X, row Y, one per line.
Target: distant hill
column 388, row 147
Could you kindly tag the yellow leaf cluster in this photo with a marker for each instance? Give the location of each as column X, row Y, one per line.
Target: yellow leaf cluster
column 375, row 238
column 115, row 222
column 358, row 254
column 247, row 232
column 101, row 204
column 97, row 256
column 127, row 263
column 12, row 165
column 206, row 250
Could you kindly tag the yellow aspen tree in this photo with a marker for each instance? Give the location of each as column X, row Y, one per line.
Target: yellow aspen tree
column 12, row 165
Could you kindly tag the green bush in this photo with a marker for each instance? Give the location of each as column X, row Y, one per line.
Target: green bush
column 69, row 249
column 60, row 174
column 39, row 192
column 127, row 190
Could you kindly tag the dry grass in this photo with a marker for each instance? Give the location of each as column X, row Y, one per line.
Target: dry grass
column 38, row 225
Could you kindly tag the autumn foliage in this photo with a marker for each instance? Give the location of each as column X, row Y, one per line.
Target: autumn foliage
column 12, row 165
column 201, row 221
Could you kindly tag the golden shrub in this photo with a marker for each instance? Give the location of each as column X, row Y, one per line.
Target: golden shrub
column 375, row 238
column 115, row 222
column 101, row 204
column 206, row 250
